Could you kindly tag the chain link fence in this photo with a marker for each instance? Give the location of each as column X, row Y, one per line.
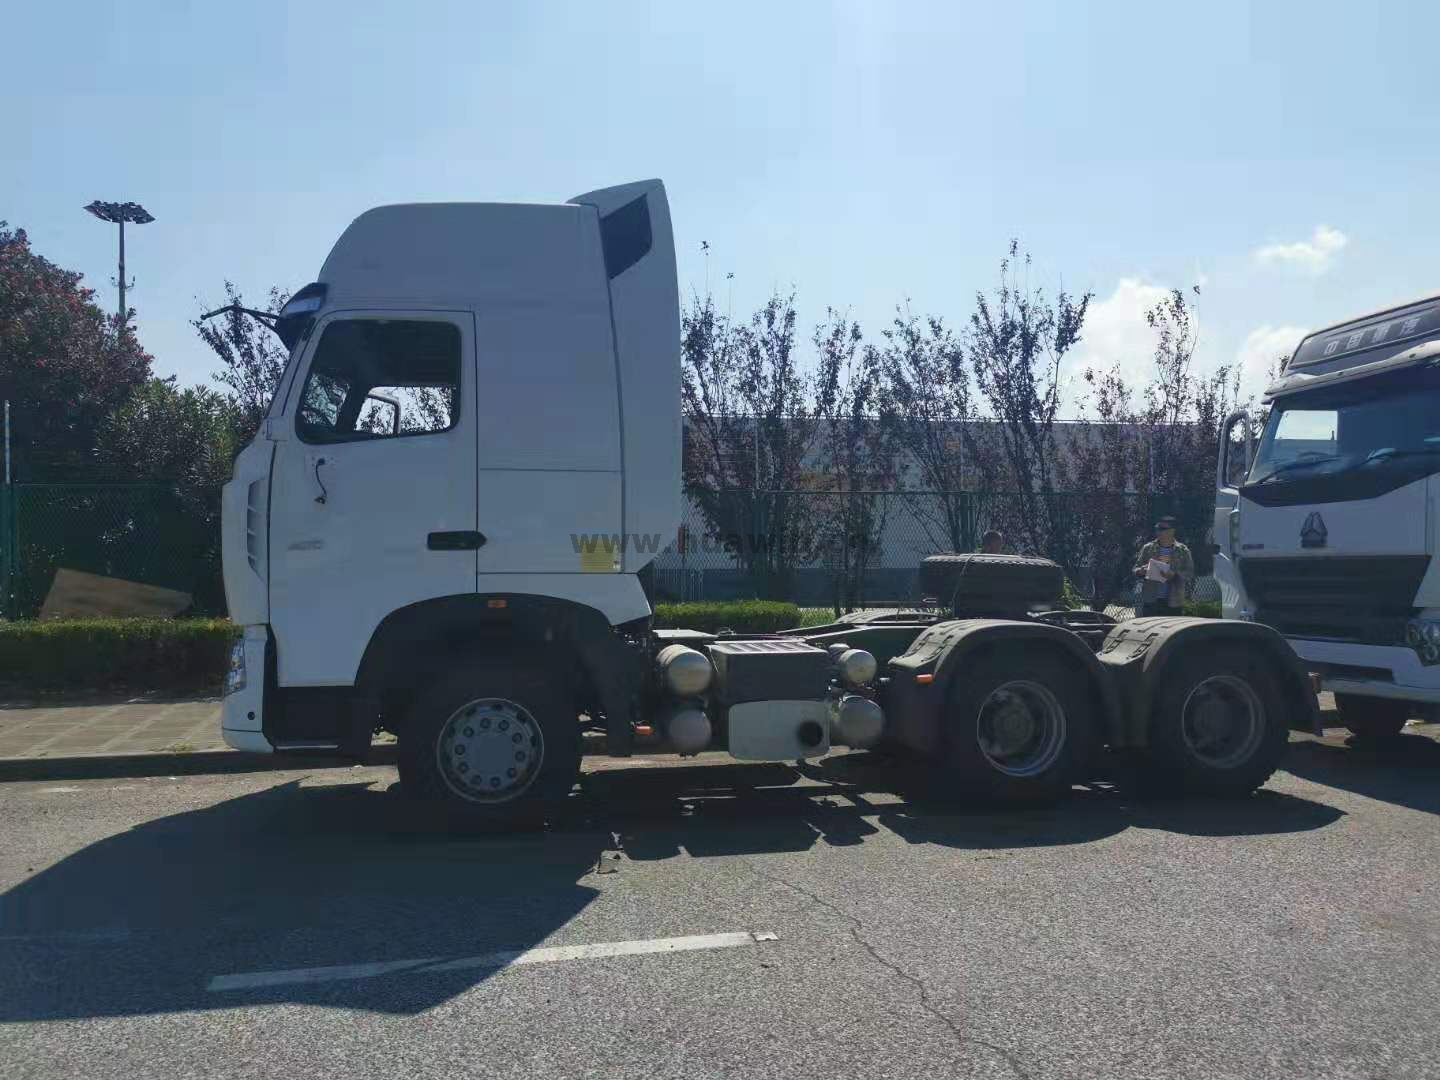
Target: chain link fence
column 151, row 533
column 814, row 548
column 848, row 548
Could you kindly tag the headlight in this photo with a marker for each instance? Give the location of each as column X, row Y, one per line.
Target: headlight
column 1423, row 635
column 235, row 674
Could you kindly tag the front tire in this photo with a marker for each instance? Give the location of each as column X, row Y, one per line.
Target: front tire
column 1372, row 718
column 1020, row 727
column 1218, row 725
column 492, row 743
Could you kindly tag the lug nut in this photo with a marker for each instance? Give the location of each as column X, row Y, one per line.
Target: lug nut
column 469, row 732
column 463, row 767
column 504, row 724
column 495, row 781
column 485, row 724
column 460, row 748
column 515, row 738
column 520, row 755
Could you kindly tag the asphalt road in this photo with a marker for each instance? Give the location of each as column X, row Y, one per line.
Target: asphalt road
column 1292, row 934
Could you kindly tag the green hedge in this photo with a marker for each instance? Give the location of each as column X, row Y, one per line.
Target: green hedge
column 136, row 654
column 742, row 616
column 1203, row 609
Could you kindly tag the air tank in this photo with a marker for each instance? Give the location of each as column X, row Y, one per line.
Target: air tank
column 684, row 671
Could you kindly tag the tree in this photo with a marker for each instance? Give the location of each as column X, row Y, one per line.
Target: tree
column 1017, row 343
column 1164, row 450
column 164, row 433
column 253, row 357
column 64, row 364
column 926, row 393
column 857, row 455
column 186, row 437
column 750, row 423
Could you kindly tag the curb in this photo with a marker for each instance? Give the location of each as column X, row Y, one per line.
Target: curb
column 195, row 763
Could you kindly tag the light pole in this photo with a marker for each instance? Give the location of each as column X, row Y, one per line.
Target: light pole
column 119, row 214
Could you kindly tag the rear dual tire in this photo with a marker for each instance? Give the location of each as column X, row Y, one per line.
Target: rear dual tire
column 1020, row 728
column 1218, row 725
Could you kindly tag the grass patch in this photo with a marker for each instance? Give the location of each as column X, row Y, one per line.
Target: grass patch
column 742, row 616
column 1202, row 609
column 134, row 654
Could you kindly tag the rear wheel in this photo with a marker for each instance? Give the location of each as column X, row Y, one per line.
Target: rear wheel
column 1218, row 724
column 1019, row 727
column 491, row 743
column 1373, row 718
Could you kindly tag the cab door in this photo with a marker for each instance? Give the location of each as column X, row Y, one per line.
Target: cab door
column 373, row 489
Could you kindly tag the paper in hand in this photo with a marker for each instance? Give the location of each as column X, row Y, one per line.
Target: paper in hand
column 1158, row 570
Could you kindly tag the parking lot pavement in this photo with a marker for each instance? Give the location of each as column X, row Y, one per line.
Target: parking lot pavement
column 286, row 923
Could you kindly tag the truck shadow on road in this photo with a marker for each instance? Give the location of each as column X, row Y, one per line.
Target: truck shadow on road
column 319, row 875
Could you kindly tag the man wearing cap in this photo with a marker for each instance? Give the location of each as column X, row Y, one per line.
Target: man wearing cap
column 1173, row 565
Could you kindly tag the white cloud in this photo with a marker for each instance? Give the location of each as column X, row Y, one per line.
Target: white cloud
column 1312, row 256
column 1260, row 351
column 1115, row 333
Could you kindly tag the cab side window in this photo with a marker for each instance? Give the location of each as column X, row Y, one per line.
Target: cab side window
column 380, row 379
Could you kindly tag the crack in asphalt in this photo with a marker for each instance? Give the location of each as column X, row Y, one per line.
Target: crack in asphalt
column 857, row 928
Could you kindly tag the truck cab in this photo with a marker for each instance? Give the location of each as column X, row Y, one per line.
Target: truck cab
column 450, row 425
column 1327, row 525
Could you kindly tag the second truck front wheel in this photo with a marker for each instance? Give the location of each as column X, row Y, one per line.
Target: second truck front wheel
column 491, row 743
column 1373, row 718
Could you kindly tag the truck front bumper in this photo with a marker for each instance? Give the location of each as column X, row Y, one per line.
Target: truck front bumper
column 1370, row 670
column 242, row 714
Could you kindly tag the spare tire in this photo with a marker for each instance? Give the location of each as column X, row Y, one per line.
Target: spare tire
column 986, row 581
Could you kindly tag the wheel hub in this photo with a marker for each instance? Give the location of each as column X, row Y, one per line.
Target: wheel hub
column 1021, row 728
column 1223, row 721
column 490, row 750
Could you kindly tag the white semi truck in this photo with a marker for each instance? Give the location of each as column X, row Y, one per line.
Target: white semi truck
column 475, row 392
column 1327, row 529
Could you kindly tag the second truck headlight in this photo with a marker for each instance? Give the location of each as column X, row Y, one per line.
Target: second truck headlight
column 1423, row 635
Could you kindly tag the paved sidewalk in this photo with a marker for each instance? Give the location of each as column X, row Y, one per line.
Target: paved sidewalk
column 113, row 726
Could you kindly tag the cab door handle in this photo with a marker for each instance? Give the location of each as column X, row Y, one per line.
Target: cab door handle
column 455, row 541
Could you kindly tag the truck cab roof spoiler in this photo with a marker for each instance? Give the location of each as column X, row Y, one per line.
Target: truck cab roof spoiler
column 1293, row 382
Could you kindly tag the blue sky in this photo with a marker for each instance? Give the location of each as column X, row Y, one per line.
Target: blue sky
column 1282, row 154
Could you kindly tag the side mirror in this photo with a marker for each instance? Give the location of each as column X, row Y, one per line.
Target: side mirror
column 1225, row 463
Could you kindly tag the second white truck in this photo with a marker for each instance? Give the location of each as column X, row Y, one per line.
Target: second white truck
column 1329, row 535
column 475, row 393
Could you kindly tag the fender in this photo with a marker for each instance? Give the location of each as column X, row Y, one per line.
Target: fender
column 412, row 641
column 913, row 707
column 1138, row 653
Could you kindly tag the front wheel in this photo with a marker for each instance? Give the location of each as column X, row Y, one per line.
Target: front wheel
column 1218, row 726
column 1019, row 727
column 1372, row 718
column 491, row 743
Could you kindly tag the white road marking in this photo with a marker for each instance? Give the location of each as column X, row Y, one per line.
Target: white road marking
column 58, row 790
column 496, row 960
